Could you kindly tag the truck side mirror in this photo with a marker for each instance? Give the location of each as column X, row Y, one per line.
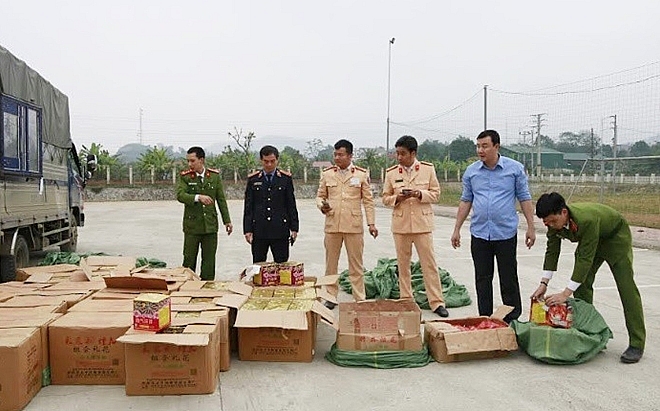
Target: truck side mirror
column 91, row 163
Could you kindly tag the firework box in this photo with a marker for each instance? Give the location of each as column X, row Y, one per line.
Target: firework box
column 182, row 359
column 278, row 335
column 380, row 325
column 152, row 312
column 84, row 348
column 448, row 343
column 20, row 379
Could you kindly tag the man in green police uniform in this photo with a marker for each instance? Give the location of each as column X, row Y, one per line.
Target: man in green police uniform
column 602, row 235
column 199, row 188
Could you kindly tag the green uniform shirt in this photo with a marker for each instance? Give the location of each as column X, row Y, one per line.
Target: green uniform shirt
column 197, row 217
column 590, row 225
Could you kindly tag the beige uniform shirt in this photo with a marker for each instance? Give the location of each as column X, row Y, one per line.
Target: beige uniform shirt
column 412, row 215
column 347, row 193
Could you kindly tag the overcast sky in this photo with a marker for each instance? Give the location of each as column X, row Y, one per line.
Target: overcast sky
column 292, row 71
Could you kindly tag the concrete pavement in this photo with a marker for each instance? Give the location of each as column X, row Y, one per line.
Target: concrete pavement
column 153, row 229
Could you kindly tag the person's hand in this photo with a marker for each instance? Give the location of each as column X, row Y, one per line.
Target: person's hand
column 540, row 292
column 558, row 298
column 530, row 237
column 325, row 208
column 229, row 228
column 456, row 239
column 294, row 235
column 416, row 194
column 206, row 200
column 248, row 238
column 373, row 230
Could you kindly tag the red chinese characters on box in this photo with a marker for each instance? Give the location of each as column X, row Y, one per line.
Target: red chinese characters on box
column 151, row 312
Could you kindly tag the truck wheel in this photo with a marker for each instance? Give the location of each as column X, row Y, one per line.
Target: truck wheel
column 72, row 235
column 21, row 253
column 7, row 268
column 9, row 263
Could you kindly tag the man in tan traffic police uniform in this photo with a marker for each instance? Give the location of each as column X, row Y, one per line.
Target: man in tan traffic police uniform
column 343, row 191
column 411, row 187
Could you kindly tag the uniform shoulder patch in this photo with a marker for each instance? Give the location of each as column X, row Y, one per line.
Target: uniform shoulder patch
column 286, row 173
column 329, row 168
column 393, row 167
column 254, row 173
column 188, row 171
column 426, row 163
column 364, row 170
column 214, row 170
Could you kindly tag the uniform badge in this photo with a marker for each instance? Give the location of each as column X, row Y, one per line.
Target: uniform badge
column 257, row 183
column 354, row 182
column 399, row 180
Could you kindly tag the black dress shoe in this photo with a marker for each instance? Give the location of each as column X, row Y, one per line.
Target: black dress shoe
column 632, row 355
column 330, row 305
column 441, row 311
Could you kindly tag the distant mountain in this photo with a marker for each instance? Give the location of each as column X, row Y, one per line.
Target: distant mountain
column 130, row 153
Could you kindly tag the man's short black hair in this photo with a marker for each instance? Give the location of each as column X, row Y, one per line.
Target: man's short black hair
column 407, row 142
column 198, row 151
column 346, row 144
column 550, row 203
column 268, row 150
column 494, row 136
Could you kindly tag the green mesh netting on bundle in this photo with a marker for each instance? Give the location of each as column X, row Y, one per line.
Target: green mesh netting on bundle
column 54, row 258
column 587, row 337
column 383, row 282
column 378, row 359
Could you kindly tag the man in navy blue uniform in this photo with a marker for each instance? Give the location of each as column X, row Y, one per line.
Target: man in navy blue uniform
column 270, row 216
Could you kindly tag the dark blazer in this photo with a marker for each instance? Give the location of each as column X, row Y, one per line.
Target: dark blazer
column 270, row 208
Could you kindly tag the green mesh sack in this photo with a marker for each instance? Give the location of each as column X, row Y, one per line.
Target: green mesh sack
column 587, row 337
column 383, row 282
column 378, row 359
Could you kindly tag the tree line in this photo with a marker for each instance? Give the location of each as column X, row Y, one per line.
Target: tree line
column 241, row 157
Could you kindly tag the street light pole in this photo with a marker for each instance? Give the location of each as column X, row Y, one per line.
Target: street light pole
column 389, row 70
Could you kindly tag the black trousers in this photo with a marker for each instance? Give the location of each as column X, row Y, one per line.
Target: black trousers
column 483, row 254
column 279, row 247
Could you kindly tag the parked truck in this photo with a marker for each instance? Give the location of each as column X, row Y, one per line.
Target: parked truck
column 41, row 176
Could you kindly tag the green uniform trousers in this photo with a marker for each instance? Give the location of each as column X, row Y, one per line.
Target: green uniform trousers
column 613, row 251
column 209, row 245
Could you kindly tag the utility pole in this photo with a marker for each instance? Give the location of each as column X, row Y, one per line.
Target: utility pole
column 524, row 135
column 389, row 70
column 485, row 106
column 140, row 130
column 614, row 147
column 539, row 121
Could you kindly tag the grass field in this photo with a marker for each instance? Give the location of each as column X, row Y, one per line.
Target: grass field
column 639, row 204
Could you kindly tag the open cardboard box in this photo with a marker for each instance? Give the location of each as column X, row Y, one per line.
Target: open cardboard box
column 380, row 325
column 278, row 335
column 185, row 362
column 449, row 344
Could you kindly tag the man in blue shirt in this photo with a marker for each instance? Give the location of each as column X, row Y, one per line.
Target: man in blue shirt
column 491, row 187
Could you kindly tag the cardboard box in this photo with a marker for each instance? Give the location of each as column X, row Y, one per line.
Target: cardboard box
column 277, row 335
column 188, row 314
column 172, row 364
column 92, row 305
column 20, row 379
column 84, row 348
column 151, row 312
column 50, row 274
column 380, row 325
column 71, row 297
column 291, row 273
column 449, row 344
column 47, row 303
column 28, row 318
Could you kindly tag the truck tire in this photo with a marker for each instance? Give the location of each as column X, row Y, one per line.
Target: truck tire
column 20, row 259
column 72, row 235
column 7, row 268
